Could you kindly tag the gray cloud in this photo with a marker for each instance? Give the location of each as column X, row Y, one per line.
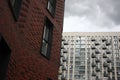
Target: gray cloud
column 111, row 9
column 105, row 13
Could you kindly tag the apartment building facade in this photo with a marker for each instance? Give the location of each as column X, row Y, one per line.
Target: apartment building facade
column 92, row 56
column 30, row 39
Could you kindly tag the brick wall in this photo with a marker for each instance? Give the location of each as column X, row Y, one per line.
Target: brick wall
column 24, row 37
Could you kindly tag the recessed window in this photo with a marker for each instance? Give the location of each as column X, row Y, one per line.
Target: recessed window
column 15, row 6
column 47, row 38
column 5, row 52
column 49, row 79
column 51, row 6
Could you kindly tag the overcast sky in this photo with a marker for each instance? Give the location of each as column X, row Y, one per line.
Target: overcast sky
column 92, row 16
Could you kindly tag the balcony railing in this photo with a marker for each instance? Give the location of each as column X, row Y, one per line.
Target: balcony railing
column 105, row 64
column 93, row 39
column 93, row 73
column 108, row 51
column 97, row 78
column 63, row 39
column 104, row 47
column 97, row 51
column 61, row 63
column 104, row 55
column 61, row 55
column 93, row 55
column 93, row 64
column 109, row 60
column 64, row 59
column 105, row 74
column 64, row 68
column 112, row 68
column 104, row 39
column 97, row 60
column 109, row 78
column 93, row 47
column 96, row 43
column 97, row 69
column 65, row 51
column 60, row 72
column 62, row 47
column 63, row 77
column 65, row 43
column 109, row 69
column 108, row 42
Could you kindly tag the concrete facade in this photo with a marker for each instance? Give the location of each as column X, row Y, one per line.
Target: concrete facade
column 92, row 55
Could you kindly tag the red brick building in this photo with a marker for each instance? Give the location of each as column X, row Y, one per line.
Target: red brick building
column 30, row 39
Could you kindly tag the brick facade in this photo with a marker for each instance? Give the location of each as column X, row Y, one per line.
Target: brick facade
column 24, row 37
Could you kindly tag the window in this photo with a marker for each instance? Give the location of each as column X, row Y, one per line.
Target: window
column 82, row 38
column 82, row 41
column 82, row 45
column 47, row 38
column 5, row 53
column 77, row 50
column 51, row 6
column 71, row 50
column 49, row 79
column 77, row 46
column 15, row 6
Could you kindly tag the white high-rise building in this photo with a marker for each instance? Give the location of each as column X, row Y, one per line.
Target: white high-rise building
column 92, row 56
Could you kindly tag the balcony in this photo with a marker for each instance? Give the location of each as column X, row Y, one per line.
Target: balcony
column 96, row 43
column 97, row 78
column 109, row 60
column 104, row 39
column 93, row 47
column 109, row 78
column 63, row 39
column 64, row 68
column 104, row 55
column 109, row 69
column 97, row 51
column 119, row 39
column 63, row 77
column 61, row 55
column 61, row 63
column 97, row 69
column 97, row 60
column 105, row 74
column 108, row 43
column 108, row 51
column 60, row 72
column 62, row 47
column 105, row 64
column 93, row 55
column 64, row 59
column 113, row 68
column 65, row 51
column 93, row 64
column 65, row 43
column 93, row 39
column 93, row 73
column 104, row 47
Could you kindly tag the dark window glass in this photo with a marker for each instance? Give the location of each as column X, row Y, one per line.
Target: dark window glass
column 47, row 38
column 4, row 58
column 51, row 6
column 49, row 79
column 15, row 6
